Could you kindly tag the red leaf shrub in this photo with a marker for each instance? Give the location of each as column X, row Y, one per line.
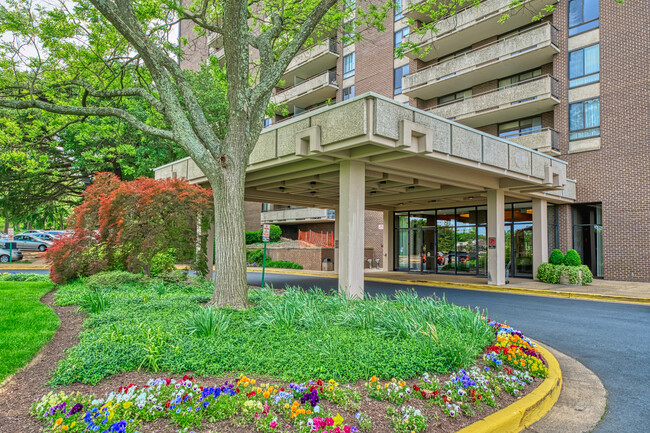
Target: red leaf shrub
column 141, row 226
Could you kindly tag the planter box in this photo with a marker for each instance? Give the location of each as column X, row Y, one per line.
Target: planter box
column 564, row 279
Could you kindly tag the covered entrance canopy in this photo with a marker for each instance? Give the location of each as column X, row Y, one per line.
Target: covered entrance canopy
column 371, row 152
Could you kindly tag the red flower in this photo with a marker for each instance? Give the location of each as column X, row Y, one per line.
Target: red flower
column 416, row 388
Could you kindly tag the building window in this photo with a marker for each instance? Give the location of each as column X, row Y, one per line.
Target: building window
column 584, row 66
column 267, row 122
column 348, row 93
column 348, row 66
column 348, row 32
column 398, row 10
column 453, row 97
column 266, row 207
column 509, row 81
column 398, row 74
column 583, row 16
column 400, row 35
column 584, row 119
column 519, row 127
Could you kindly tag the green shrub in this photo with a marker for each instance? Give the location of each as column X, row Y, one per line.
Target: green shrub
column 572, row 258
column 556, row 257
column 253, row 237
column 587, row 276
column 275, row 233
column 254, row 256
column 207, row 322
column 546, row 272
column 112, row 279
column 552, row 274
column 163, row 262
column 282, row 264
column 25, row 277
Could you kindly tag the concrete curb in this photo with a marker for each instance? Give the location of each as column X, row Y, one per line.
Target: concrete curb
column 483, row 287
column 529, row 409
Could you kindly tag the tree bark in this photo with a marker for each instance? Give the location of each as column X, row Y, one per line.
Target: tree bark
column 230, row 282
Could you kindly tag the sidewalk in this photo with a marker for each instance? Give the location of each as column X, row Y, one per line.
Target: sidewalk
column 604, row 290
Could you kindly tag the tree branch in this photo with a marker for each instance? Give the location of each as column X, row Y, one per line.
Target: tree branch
column 89, row 111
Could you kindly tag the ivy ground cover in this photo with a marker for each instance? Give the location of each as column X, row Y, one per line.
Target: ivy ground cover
column 26, row 324
column 297, row 361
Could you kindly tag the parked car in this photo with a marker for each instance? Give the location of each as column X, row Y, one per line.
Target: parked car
column 30, row 242
column 45, row 236
column 16, row 255
column 31, row 232
column 462, row 257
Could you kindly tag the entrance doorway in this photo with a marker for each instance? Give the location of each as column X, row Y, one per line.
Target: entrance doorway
column 422, row 256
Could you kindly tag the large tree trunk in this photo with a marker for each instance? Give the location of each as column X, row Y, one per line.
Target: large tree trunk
column 230, row 283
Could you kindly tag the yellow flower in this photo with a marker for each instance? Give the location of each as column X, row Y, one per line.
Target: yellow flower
column 64, row 427
column 331, row 388
column 378, row 387
column 252, row 381
column 127, row 404
column 58, row 421
column 74, row 423
column 338, row 419
column 331, row 381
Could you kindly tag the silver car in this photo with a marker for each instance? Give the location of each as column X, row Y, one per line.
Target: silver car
column 16, row 255
column 29, row 242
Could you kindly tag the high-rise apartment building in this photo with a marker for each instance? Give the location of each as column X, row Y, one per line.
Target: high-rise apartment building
column 574, row 85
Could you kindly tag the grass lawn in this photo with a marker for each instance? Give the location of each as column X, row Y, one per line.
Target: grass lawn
column 26, row 324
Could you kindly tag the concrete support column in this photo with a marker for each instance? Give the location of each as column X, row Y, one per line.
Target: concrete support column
column 389, row 241
column 351, row 219
column 210, row 253
column 540, row 234
column 336, row 240
column 496, row 254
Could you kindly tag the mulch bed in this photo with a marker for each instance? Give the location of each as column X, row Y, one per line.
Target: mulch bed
column 29, row 384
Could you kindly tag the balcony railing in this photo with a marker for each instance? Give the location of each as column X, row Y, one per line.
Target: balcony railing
column 523, row 99
column 520, row 51
column 543, row 140
column 468, row 25
column 311, row 91
column 296, row 215
column 313, row 60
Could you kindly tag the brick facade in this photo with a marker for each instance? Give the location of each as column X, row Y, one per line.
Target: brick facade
column 616, row 175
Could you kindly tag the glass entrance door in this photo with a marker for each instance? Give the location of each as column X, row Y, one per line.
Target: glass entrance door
column 415, row 250
column 422, row 250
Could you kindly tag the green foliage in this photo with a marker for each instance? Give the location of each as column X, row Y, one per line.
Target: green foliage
column 275, row 233
column 296, row 335
column 572, row 258
column 556, row 257
column 253, row 237
column 208, row 322
column 163, row 262
column 254, row 256
column 94, row 301
column 26, row 324
column 282, row 264
column 25, row 277
column 553, row 274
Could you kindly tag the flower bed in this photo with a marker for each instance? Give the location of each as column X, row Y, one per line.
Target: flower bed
column 509, row 367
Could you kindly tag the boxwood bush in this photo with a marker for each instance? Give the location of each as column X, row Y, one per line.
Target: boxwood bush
column 572, row 258
column 556, row 257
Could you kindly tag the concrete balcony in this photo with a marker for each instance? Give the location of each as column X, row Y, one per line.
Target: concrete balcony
column 311, row 61
column 542, row 140
column 297, row 216
column 524, row 99
column 311, row 91
column 468, row 26
column 515, row 53
column 220, row 54
column 215, row 41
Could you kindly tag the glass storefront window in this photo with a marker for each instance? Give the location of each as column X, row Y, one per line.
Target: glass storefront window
column 446, row 240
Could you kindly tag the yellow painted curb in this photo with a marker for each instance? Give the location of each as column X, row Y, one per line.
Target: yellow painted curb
column 21, row 266
column 483, row 287
column 529, row 408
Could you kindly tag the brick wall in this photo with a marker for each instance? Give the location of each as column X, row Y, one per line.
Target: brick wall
column 374, row 236
column 196, row 51
column 616, row 175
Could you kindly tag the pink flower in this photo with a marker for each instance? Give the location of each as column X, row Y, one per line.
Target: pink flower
column 347, row 429
column 273, row 424
column 337, row 430
column 330, row 421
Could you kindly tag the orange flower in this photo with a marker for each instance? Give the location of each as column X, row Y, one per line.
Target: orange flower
column 266, row 394
column 373, row 379
column 58, row 421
